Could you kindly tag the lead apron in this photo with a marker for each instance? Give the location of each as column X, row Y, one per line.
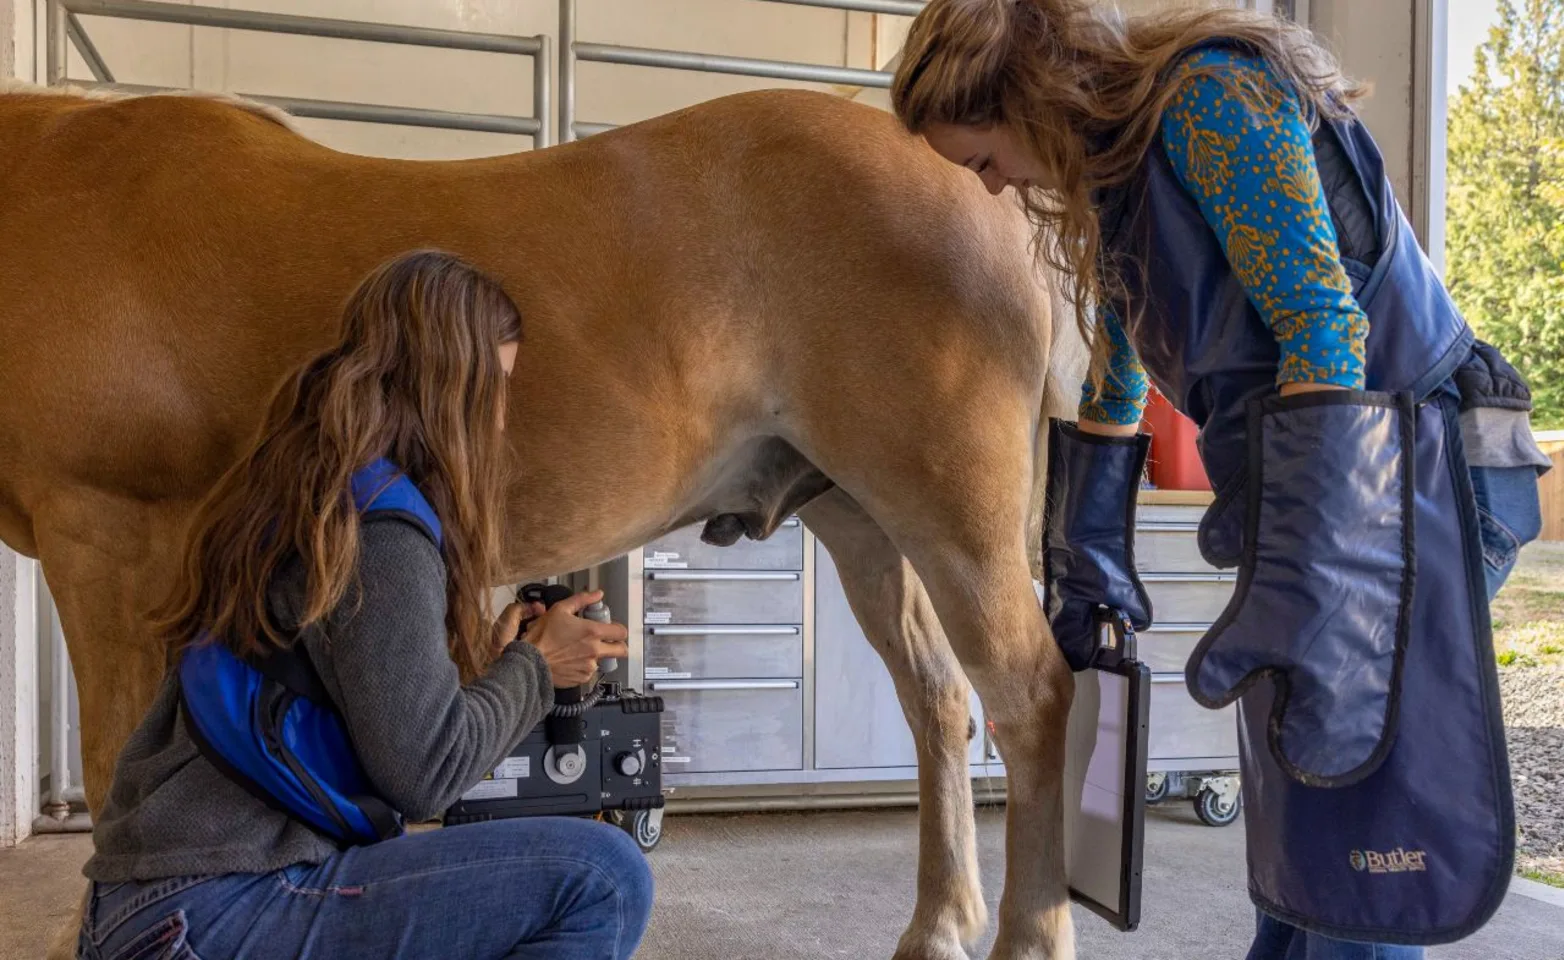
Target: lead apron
column 1420, row 851
column 1418, row 848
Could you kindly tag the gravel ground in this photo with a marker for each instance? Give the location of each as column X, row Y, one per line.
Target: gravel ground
column 1528, row 613
column 1534, row 726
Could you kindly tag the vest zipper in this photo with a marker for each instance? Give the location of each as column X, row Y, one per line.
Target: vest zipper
column 277, row 706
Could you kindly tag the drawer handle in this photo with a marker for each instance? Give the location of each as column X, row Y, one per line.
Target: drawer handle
column 1168, row 678
column 699, row 631
column 1188, row 577
column 791, row 522
column 1169, row 526
column 1177, row 628
column 722, row 684
column 713, row 576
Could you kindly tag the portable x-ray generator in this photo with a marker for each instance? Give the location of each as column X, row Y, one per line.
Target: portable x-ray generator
column 597, row 753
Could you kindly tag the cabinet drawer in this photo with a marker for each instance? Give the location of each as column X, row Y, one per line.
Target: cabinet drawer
column 683, row 549
column 724, row 652
column 1168, row 548
column 724, row 596
column 1181, row 728
column 1166, row 647
column 1188, row 597
column 714, row 726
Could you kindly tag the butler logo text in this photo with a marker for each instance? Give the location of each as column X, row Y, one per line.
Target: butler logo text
column 1398, row 860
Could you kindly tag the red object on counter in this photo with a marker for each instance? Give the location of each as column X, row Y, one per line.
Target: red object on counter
column 1175, row 460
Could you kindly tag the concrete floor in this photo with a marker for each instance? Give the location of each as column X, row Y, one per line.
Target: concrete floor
column 840, row 884
column 40, row 883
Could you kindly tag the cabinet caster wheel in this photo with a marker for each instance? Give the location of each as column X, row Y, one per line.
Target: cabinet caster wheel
column 1157, row 785
column 643, row 826
column 1217, row 808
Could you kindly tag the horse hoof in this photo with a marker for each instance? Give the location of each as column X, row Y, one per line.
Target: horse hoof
column 928, row 949
column 1063, row 950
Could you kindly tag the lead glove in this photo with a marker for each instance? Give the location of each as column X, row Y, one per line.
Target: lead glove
column 1088, row 525
column 1325, row 583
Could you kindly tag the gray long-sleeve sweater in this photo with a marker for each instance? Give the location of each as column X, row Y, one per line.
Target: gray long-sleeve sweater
column 422, row 738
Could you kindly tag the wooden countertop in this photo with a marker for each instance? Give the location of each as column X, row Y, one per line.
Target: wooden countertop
column 1175, row 498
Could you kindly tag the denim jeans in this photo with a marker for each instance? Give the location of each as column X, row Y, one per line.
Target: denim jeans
column 1509, row 515
column 549, row 888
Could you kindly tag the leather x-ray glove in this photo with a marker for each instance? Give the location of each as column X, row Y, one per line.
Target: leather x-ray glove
column 1325, row 583
column 1089, row 523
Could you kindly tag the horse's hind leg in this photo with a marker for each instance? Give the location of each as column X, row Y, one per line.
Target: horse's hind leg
column 107, row 560
column 897, row 618
column 959, row 510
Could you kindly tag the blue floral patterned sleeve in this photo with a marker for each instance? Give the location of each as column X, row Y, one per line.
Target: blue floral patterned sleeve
column 1124, row 383
column 1239, row 144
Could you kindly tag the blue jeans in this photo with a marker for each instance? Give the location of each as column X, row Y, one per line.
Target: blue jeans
column 1509, row 512
column 549, row 888
column 1509, row 515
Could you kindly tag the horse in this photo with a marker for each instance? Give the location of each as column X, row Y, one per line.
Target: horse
column 771, row 303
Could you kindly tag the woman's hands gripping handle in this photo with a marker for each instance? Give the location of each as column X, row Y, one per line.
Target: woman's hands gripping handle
column 572, row 632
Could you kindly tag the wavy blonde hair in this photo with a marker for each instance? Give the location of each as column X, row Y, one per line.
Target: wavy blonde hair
column 1084, row 88
column 414, row 376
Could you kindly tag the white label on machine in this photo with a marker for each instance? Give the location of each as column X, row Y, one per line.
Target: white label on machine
column 491, row 790
column 514, row 767
column 659, row 616
column 666, row 560
column 663, row 673
column 668, row 759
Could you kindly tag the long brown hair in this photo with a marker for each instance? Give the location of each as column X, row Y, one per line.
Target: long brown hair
column 415, row 377
column 1084, row 88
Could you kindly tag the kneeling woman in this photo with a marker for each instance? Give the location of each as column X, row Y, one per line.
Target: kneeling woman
column 361, row 531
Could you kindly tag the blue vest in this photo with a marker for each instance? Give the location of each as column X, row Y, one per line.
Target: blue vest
column 1438, row 810
column 269, row 724
column 1207, row 348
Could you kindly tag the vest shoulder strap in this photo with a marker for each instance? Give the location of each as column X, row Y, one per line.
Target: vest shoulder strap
column 381, row 490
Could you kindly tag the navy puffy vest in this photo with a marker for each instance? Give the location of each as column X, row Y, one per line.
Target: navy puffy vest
column 1438, row 810
column 269, row 724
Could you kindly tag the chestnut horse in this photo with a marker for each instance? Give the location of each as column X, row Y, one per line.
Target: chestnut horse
column 768, row 303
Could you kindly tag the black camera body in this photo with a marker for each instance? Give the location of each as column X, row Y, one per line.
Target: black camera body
column 599, row 750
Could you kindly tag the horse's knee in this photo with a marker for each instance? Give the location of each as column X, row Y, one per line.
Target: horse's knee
column 948, row 719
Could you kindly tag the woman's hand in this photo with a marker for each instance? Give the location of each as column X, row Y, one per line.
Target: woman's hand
column 572, row 646
column 509, row 623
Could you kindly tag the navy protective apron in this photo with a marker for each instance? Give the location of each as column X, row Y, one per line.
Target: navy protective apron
column 268, row 723
column 1415, row 843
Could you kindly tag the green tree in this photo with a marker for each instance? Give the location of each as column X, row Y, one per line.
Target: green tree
column 1504, row 259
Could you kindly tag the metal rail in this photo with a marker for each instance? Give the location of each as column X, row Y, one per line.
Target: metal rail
column 331, row 28
column 572, row 51
column 63, row 26
column 88, row 49
column 897, row 8
column 61, row 683
column 364, row 112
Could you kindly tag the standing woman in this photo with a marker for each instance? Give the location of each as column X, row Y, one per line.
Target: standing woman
column 334, row 599
column 1227, row 217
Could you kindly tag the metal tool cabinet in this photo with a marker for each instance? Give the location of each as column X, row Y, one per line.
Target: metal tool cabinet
column 1187, row 596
